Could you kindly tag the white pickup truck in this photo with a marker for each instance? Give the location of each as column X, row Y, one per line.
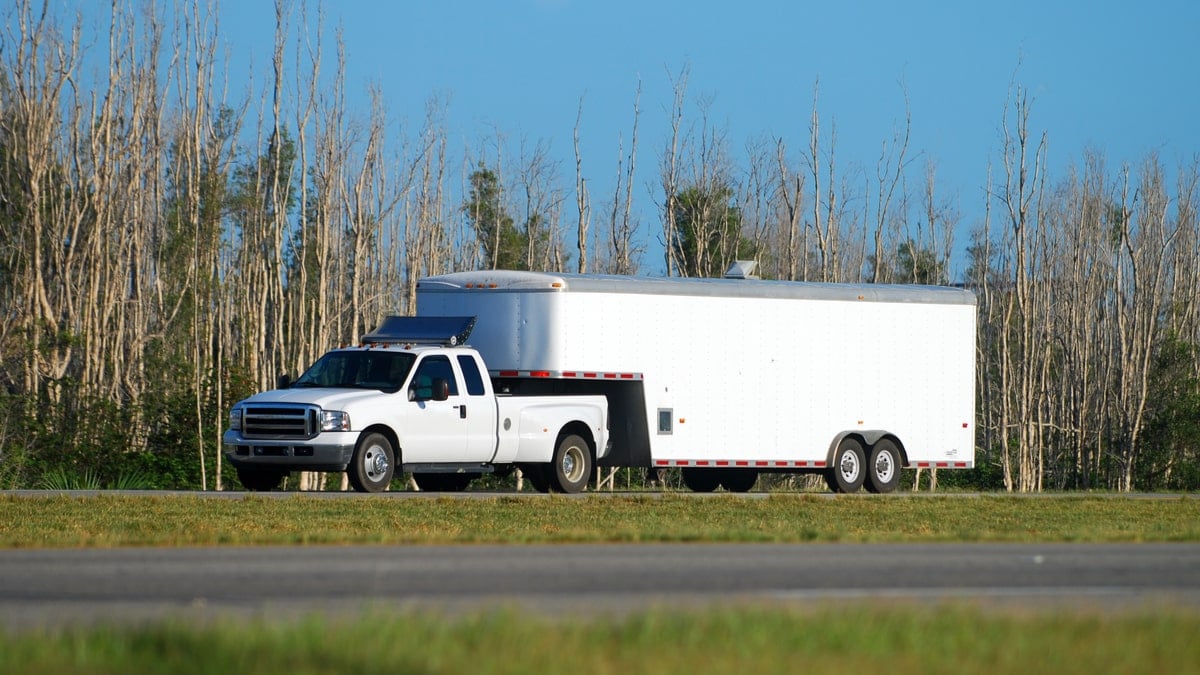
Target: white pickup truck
column 411, row 398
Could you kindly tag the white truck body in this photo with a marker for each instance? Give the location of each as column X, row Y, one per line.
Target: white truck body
column 718, row 373
column 372, row 410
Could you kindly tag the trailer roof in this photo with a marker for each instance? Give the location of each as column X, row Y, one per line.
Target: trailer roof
column 526, row 282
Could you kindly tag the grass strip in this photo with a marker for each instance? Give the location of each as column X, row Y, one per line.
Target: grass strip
column 187, row 520
column 895, row 640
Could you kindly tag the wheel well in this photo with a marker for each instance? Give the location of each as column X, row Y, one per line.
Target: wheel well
column 867, row 439
column 583, row 431
column 388, row 434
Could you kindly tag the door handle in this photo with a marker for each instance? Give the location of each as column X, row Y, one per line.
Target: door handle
column 462, row 411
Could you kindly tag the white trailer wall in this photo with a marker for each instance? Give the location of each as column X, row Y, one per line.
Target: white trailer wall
column 753, row 373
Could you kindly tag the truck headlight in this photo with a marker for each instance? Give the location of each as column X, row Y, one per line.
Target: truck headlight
column 335, row 420
column 235, row 418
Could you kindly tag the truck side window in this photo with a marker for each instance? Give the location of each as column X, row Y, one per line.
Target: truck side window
column 470, row 371
column 431, row 369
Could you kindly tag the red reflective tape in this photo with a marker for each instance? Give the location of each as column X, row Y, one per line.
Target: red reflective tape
column 741, row 462
column 722, row 462
column 568, row 373
column 539, row 373
column 590, row 375
column 626, row 376
column 509, row 373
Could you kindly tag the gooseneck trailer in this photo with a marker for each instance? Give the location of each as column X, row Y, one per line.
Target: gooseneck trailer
column 726, row 379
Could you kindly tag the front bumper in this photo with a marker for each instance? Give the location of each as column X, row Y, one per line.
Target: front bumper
column 327, row 451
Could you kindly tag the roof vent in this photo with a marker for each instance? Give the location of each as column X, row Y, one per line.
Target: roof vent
column 742, row 269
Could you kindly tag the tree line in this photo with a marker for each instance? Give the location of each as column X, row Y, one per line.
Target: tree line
column 167, row 247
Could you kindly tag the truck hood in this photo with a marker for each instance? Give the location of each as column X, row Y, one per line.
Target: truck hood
column 327, row 399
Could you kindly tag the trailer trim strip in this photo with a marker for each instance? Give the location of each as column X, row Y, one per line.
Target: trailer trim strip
column 567, row 374
column 746, row 463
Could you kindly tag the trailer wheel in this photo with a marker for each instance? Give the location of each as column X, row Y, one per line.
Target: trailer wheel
column 572, row 465
column 883, row 469
column 739, row 480
column 260, row 480
column 700, row 480
column 373, row 463
column 847, row 474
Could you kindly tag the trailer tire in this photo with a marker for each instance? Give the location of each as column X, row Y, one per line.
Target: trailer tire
column 883, row 468
column 260, row 480
column 739, row 480
column 373, row 463
column 848, row 470
column 572, row 465
column 700, row 480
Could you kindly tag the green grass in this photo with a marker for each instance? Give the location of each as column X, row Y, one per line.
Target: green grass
column 943, row 639
column 859, row 637
column 119, row 520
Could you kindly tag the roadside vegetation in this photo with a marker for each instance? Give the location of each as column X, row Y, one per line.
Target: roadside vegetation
column 167, row 249
column 108, row 520
column 870, row 636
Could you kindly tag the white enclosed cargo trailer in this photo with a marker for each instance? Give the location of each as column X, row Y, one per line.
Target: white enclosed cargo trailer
column 726, row 379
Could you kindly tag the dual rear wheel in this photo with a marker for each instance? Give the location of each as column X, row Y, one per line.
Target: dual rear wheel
column 569, row 469
column 877, row 467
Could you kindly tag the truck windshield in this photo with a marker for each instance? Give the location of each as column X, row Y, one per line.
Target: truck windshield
column 367, row 369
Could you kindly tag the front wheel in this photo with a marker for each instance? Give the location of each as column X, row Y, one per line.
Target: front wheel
column 572, row 465
column 847, row 474
column 373, row 463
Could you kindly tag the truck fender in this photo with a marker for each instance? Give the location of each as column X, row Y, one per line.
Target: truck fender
column 540, row 427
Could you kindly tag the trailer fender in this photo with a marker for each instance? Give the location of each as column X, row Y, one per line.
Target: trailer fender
column 868, row 437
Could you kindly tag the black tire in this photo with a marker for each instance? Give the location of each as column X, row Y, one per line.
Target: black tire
column 373, row 463
column 260, row 480
column 700, row 480
column 883, row 468
column 572, row 465
column 443, row 482
column 739, row 480
column 848, row 471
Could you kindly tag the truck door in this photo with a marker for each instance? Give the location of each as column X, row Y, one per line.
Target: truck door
column 433, row 430
column 460, row 429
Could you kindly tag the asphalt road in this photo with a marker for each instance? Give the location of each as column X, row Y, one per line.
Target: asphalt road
column 59, row 587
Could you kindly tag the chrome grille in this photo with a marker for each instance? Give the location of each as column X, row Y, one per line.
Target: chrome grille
column 279, row 421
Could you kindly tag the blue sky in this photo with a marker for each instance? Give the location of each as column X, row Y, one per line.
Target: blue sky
column 1120, row 77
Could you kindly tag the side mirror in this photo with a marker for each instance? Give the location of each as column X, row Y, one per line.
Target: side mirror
column 441, row 389
column 283, row 381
